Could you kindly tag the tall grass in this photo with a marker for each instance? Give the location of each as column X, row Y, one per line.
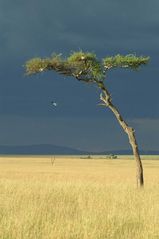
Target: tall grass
column 77, row 199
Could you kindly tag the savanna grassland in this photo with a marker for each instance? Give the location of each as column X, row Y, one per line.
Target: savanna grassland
column 77, row 198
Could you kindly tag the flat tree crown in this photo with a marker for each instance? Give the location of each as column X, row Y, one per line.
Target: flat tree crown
column 84, row 65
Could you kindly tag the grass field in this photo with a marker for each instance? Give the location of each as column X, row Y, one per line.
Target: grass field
column 77, row 199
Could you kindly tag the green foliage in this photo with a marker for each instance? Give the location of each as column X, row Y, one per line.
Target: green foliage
column 36, row 65
column 128, row 61
column 83, row 65
column 87, row 64
column 55, row 60
column 81, row 56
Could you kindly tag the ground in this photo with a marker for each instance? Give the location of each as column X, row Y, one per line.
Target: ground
column 74, row 197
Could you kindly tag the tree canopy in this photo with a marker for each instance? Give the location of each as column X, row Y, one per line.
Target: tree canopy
column 84, row 65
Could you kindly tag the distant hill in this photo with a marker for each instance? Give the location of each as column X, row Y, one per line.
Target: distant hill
column 48, row 149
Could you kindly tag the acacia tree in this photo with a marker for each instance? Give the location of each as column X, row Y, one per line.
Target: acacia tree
column 85, row 66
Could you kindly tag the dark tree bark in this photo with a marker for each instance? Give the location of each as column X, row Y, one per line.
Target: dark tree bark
column 107, row 101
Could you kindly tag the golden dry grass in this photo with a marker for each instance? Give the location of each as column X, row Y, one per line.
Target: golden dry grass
column 77, row 199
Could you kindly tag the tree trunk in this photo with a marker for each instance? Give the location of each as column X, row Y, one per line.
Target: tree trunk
column 107, row 101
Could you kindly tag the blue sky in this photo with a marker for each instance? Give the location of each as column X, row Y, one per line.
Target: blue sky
column 107, row 27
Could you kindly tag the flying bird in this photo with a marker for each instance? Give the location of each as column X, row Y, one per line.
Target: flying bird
column 53, row 103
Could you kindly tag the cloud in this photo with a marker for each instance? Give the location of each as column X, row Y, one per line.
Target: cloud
column 40, row 27
column 146, row 124
column 92, row 134
column 147, row 131
column 81, row 133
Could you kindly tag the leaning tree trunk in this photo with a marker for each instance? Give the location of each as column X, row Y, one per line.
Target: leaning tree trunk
column 107, row 101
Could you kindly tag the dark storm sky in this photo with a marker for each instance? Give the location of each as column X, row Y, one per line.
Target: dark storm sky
column 35, row 28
